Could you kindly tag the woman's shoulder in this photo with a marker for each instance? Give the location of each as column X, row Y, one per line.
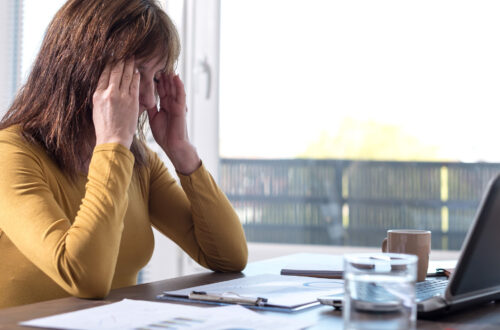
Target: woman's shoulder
column 12, row 140
column 13, row 136
column 10, row 132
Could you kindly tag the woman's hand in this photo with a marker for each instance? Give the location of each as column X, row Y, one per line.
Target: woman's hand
column 169, row 124
column 116, row 104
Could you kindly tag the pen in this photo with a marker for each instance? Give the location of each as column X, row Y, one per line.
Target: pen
column 227, row 297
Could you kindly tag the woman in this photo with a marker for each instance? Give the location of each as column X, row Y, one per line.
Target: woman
column 79, row 191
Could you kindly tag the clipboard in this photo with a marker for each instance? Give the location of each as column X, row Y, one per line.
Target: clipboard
column 262, row 292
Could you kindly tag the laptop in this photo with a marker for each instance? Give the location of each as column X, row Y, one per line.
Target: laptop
column 476, row 278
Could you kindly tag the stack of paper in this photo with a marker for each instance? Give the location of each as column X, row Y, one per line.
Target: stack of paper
column 137, row 314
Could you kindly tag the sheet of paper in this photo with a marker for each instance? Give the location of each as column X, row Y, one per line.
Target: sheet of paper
column 328, row 262
column 318, row 262
column 280, row 290
column 137, row 314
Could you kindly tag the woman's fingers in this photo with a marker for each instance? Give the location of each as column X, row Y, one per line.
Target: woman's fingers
column 116, row 104
column 103, row 82
column 179, row 87
column 115, row 77
column 166, row 86
column 135, row 84
column 160, row 86
column 171, row 87
column 172, row 93
column 120, row 74
column 128, row 74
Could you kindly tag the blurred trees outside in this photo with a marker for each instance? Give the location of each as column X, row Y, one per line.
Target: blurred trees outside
column 371, row 140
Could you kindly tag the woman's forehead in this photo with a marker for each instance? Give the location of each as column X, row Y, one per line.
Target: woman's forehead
column 152, row 63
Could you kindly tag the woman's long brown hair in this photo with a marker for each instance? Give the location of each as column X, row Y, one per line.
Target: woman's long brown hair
column 54, row 107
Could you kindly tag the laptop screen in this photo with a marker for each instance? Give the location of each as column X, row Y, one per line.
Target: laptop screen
column 479, row 267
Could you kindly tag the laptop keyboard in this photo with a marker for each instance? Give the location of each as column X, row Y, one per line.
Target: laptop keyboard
column 429, row 288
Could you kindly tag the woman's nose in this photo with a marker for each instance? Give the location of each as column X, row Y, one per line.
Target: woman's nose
column 147, row 96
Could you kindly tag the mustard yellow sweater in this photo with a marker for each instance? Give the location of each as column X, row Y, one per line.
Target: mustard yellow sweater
column 60, row 238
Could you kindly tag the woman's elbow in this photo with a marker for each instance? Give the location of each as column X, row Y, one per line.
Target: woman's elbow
column 239, row 265
column 92, row 290
column 236, row 261
column 241, row 259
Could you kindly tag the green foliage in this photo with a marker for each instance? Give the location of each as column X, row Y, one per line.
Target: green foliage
column 370, row 140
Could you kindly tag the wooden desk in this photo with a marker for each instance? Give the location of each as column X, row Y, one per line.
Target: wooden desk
column 483, row 317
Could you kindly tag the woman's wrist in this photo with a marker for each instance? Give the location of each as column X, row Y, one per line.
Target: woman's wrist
column 123, row 140
column 185, row 160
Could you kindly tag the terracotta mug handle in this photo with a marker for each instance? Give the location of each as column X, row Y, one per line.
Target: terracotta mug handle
column 384, row 245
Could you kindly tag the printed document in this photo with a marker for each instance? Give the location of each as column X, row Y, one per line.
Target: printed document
column 137, row 314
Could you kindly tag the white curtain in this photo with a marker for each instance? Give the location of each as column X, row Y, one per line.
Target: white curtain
column 10, row 50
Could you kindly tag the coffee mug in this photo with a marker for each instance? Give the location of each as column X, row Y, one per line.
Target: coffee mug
column 410, row 241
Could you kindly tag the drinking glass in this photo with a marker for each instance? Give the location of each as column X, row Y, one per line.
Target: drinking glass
column 379, row 291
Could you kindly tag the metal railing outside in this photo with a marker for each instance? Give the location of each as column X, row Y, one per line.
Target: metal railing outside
column 346, row 202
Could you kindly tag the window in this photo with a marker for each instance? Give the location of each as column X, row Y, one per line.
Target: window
column 23, row 24
column 36, row 18
column 328, row 122
column 10, row 36
column 342, row 119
